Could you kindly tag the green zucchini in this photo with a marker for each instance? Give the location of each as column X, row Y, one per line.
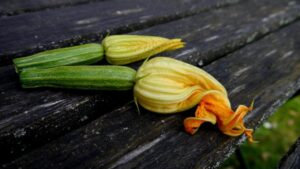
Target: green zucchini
column 76, row 55
column 80, row 77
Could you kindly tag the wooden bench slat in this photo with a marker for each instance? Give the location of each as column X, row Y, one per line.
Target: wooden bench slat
column 28, row 33
column 33, row 117
column 266, row 70
column 292, row 159
column 13, row 7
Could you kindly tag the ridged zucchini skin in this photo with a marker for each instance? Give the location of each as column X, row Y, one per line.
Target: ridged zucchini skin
column 80, row 77
column 76, row 55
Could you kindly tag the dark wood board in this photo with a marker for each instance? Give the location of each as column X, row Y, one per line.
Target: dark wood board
column 31, row 32
column 267, row 70
column 30, row 118
column 14, row 7
column 292, row 159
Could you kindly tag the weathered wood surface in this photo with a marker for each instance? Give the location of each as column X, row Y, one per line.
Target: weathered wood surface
column 292, row 159
column 32, row 117
column 31, row 32
column 14, row 7
column 267, row 70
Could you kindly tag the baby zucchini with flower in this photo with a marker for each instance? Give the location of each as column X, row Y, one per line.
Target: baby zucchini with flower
column 124, row 49
column 166, row 85
column 76, row 55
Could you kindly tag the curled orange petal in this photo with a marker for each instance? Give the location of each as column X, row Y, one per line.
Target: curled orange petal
column 191, row 124
column 214, row 107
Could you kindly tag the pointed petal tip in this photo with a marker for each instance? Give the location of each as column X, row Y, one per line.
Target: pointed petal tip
column 191, row 125
column 249, row 135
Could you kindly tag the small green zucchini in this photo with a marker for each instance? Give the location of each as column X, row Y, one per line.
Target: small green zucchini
column 76, row 55
column 80, row 77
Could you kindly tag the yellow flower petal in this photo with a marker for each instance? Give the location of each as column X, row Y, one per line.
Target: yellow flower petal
column 167, row 85
column 124, row 49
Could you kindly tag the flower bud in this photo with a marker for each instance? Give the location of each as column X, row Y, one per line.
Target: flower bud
column 166, row 85
column 124, row 49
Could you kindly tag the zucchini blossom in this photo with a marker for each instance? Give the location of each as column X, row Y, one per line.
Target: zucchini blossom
column 166, row 85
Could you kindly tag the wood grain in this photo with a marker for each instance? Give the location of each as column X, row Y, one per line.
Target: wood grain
column 15, row 7
column 266, row 70
column 31, row 118
column 292, row 159
column 38, row 31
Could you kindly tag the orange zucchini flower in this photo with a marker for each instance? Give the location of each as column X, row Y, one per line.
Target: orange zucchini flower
column 166, row 85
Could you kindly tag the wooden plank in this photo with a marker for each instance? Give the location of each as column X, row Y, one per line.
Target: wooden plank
column 28, row 33
column 32, row 117
column 14, row 7
column 292, row 159
column 266, row 70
